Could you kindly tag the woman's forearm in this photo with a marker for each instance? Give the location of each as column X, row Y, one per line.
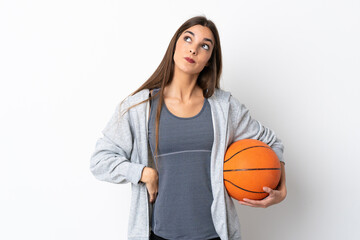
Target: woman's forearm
column 282, row 183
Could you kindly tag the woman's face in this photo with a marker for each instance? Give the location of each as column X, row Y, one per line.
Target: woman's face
column 197, row 43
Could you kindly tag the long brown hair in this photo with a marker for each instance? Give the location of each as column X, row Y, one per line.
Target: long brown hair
column 208, row 79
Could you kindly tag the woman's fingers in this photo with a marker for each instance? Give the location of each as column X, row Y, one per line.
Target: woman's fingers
column 273, row 198
column 153, row 192
column 153, row 195
column 258, row 203
column 268, row 190
column 152, row 199
column 245, row 203
column 152, row 186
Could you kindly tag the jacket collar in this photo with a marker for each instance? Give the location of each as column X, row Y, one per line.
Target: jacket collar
column 219, row 95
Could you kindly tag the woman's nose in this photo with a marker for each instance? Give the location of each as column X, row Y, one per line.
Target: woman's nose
column 192, row 51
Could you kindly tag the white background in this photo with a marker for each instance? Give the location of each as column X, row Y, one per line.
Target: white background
column 64, row 65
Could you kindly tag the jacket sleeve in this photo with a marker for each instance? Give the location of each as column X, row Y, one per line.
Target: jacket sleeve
column 245, row 127
column 110, row 161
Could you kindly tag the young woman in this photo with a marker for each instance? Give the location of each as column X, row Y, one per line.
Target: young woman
column 169, row 138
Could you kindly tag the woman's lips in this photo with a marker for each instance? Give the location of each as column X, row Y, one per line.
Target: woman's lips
column 189, row 60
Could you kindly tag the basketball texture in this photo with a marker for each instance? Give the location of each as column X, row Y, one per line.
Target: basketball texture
column 249, row 165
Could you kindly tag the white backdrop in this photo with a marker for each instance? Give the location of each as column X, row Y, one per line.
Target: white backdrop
column 64, row 65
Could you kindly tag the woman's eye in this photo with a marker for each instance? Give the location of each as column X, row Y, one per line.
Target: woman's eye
column 206, row 48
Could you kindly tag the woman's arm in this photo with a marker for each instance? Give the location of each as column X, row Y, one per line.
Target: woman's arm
column 245, row 127
column 111, row 159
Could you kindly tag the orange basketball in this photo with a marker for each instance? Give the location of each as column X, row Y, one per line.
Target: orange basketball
column 249, row 165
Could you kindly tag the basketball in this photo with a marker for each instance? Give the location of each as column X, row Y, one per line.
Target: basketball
column 249, row 165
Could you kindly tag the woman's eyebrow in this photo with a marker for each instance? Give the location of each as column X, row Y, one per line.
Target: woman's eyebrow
column 206, row 39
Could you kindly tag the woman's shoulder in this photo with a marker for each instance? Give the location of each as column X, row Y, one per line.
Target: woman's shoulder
column 234, row 102
column 139, row 96
column 134, row 99
column 221, row 91
column 221, row 94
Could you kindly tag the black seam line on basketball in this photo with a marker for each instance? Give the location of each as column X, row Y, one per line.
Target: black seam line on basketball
column 242, row 188
column 251, row 169
column 244, row 150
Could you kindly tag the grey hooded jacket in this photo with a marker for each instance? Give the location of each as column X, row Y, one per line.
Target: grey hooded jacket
column 124, row 150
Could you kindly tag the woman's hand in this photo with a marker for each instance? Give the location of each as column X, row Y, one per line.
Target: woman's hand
column 274, row 197
column 151, row 178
